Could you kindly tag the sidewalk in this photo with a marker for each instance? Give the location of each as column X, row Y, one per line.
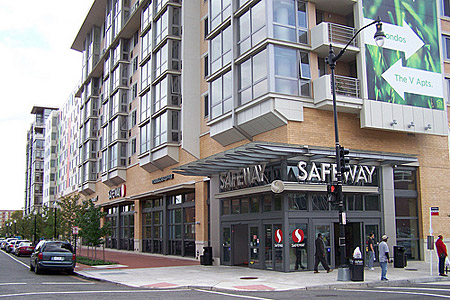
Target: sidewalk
column 162, row 272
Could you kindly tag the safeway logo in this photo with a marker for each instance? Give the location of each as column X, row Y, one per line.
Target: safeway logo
column 298, row 235
column 279, row 236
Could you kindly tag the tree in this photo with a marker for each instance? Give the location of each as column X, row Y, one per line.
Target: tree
column 89, row 222
column 68, row 213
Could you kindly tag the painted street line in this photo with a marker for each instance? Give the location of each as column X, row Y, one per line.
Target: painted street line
column 233, row 295
column 85, row 292
column 19, row 261
column 396, row 292
column 70, row 283
column 13, row 283
column 414, row 288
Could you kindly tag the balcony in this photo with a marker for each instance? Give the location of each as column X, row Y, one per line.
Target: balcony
column 159, row 157
column 348, row 98
column 87, row 188
column 324, row 34
column 114, row 177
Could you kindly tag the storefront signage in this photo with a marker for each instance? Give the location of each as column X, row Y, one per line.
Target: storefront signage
column 94, row 199
column 434, row 211
column 278, row 238
column 298, row 236
column 245, row 177
column 312, row 172
column 117, row 192
column 162, row 179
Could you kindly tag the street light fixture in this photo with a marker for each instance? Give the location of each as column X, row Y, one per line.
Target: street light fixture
column 15, row 231
column 343, row 271
column 54, row 210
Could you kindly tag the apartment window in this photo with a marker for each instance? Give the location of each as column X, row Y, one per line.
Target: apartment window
column 253, row 77
column 290, row 20
column 133, row 118
column 160, row 60
column 206, row 106
column 220, row 11
column 146, row 75
column 205, row 27
column 205, row 65
column 135, row 64
column 166, row 128
column 106, row 88
column 252, row 27
column 292, row 72
column 133, row 146
column 220, row 91
column 145, row 106
column 146, row 44
column 104, row 161
column 134, row 91
column 160, row 95
column 221, row 50
column 146, row 16
column 145, row 138
column 446, row 46
column 161, row 27
column 445, row 8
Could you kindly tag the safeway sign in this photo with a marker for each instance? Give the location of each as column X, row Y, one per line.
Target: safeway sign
column 407, row 69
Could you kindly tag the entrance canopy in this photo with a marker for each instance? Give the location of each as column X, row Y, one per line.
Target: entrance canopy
column 255, row 153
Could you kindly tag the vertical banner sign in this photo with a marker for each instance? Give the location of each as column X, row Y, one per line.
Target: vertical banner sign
column 407, row 69
column 278, row 236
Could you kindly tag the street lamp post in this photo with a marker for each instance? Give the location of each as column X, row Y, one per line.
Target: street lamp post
column 343, row 271
column 55, row 210
column 15, row 231
column 35, row 214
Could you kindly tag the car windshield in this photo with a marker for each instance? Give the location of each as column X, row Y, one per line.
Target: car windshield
column 57, row 247
column 25, row 244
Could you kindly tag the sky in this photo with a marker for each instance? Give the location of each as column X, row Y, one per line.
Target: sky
column 37, row 68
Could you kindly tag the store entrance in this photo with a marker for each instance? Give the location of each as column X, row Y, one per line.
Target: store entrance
column 240, row 242
column 353, row 239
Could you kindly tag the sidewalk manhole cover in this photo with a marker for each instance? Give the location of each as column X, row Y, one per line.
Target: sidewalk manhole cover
column 411, row 270
column 248, row 277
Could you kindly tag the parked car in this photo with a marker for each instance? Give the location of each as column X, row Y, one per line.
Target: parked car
column 5, row 243
column 1, row 242
column 10, row 245
column 23, row 248
column 53, row 255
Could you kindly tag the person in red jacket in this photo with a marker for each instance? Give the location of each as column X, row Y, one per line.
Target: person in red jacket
column 442, row 253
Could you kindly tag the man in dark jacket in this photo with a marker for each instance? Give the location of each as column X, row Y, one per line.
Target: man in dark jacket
column 320, row 255
column 442, row 253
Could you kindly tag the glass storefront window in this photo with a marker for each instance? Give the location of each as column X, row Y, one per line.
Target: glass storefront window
column 298, row 246
column 297, row 201
column 278, row 202
column 404, row 179
column 226, row 239
column 235, row 207
column 354, row 202
column 254, row 205
column 226, row 207
column 245, row 206
column 319, row 202
column 267, row 203
column 372, row 203
column 406, row 207
column 407, row 228
column 254, row 245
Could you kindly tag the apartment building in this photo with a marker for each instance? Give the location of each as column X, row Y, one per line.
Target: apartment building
column 188, row 111
column 50, row 159
column 5, row 217
column 35, row 154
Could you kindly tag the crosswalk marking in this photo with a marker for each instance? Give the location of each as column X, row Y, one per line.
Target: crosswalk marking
column 396, row 292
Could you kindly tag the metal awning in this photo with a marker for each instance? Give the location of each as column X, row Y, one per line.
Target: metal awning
column 255, row 153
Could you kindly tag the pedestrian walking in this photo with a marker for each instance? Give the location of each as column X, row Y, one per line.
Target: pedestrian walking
column 371, row 251
column 384, row 256
column 442, row 253
column 320, row 255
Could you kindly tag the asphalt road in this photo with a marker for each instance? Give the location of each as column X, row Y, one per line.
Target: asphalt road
column 17, row 282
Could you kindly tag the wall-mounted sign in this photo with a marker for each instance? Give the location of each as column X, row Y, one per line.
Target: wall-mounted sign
column 298, row 236
column 117, row 192
column 434, row 211
column 278, row 238
column 322, row 172
column 94, row 199
column 407, row 69
column 245, row 177
column 162, row 179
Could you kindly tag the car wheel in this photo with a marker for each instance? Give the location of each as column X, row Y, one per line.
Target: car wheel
column 31, row 267
column 37, row 270
column 18, row 254
column 71, row 271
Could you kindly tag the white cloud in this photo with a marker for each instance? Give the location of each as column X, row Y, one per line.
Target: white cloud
column 38, row 68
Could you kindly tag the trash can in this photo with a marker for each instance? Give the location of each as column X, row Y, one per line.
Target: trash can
column 206, row 258
column 357, row 269
column 399, row 257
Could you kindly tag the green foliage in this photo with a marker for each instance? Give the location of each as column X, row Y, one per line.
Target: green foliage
column 89, row 222
column 422, row 18
column 93, row 262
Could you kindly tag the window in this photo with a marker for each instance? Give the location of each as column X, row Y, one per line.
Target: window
column 145, row 106
column 221, row 50
column 253, row 78
column 287, row 25
column 160, row 95
column 205, row 27
column 166, row 128
column 292, row 72
column 205, row 66
column 146, row 45
column 145, row 75
column 146, row 16
column 445, row 8
column 446, row 46
column 220, row 11
column 160, row 27
column 206, row 106
column 135, row 65
column 144, row 138
column 160, row 129
column 160, row 60
column 252, row 27
column 133, row 146
column 133, row 118
column 221, row 101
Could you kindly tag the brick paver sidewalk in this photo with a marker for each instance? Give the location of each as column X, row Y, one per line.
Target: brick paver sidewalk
column 134, row 260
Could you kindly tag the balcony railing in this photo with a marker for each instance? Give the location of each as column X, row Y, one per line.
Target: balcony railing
column 347, row 86
column 341, row 34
